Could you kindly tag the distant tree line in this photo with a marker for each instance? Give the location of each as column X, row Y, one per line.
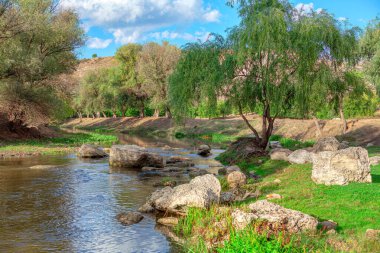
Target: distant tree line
column 278, row 62
column 137, row 87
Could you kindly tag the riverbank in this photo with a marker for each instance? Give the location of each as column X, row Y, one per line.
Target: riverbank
column 62, row 143
column 354, row 208
column 360, row 131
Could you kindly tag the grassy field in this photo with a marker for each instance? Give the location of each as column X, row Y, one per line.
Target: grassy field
column 66, row 143
column 355, row 207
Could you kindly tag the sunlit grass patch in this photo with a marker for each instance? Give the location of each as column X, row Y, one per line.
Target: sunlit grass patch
column 63, row 144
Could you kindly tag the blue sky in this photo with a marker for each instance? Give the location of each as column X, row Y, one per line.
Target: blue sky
column 112, row 23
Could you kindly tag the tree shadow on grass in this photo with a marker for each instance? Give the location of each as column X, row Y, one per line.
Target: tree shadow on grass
column 375, row 178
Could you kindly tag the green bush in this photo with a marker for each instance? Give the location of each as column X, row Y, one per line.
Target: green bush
column 360, row 106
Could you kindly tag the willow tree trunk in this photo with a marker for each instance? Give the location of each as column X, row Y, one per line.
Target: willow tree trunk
column 319, row 131
column 342, row 118
column 104, row 115
column 168, row 113
column 156, row 113
column 142, row 109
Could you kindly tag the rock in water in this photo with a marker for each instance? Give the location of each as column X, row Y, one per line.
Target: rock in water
column 280, row 154
column 129, row 218
column 300, row 156
column 91, row 151
column 293, row 221
column 204, row 150
column 341, row 167
column 236, row 179
column 201, row 192
column 132, row 156
column 326, row 144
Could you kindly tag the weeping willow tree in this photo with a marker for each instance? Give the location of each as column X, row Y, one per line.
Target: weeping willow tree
column 268, row 64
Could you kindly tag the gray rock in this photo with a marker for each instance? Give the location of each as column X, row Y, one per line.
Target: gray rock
column 341, row 167
column 293, row 221
column 328, row 225
column 236, row 179
column 372, row 234
column 275, row 144
column 178, row 161
column 198, row 172
column 201, row 192
column 374, row 160
column 227, row 197
column 343, row 145
column 91, row 151
column 146, row 208
column 241, row 219
column 300, row 156
column 326, row 144
column 43, row 167
column 222, row 171
column 280, row 154
column 204, row 150
column 132, row 156
column 232, row 168
column 168, row 221
column 129, row 218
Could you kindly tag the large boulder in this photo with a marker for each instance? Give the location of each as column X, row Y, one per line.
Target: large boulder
column 201, row 192
column 300, row 156
column 341, row 167
column 280, row 154
column 277, row 216
column 132, row 156
column 326, row 144
column 91, row 151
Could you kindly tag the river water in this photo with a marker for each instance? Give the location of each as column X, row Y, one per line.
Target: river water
column 71, row 207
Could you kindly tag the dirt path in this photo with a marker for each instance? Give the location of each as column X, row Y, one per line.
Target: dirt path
column 361, row 131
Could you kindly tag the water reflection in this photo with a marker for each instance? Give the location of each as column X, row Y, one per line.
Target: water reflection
column 72, row 206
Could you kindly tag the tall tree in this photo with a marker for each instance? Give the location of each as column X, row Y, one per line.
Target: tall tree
column 155, row 65
column 39, row 43
column 370, row 49
column 267, row 65
column 128, row 56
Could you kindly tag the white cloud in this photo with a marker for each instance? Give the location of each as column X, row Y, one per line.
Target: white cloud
column 342, row 19
column 212, row 16
column 303, row 8
column 131, row 20
column 98, row 43
column 200, row 35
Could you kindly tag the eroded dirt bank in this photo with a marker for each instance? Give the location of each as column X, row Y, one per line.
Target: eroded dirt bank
column 361, row 131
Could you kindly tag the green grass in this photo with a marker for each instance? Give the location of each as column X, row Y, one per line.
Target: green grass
column 96, row 129
column 373, row 151
column 355, row 207
column 249, row 241
column 291, row 143
column 66, row 143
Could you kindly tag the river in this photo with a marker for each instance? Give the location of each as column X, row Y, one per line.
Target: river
column 71, row 207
